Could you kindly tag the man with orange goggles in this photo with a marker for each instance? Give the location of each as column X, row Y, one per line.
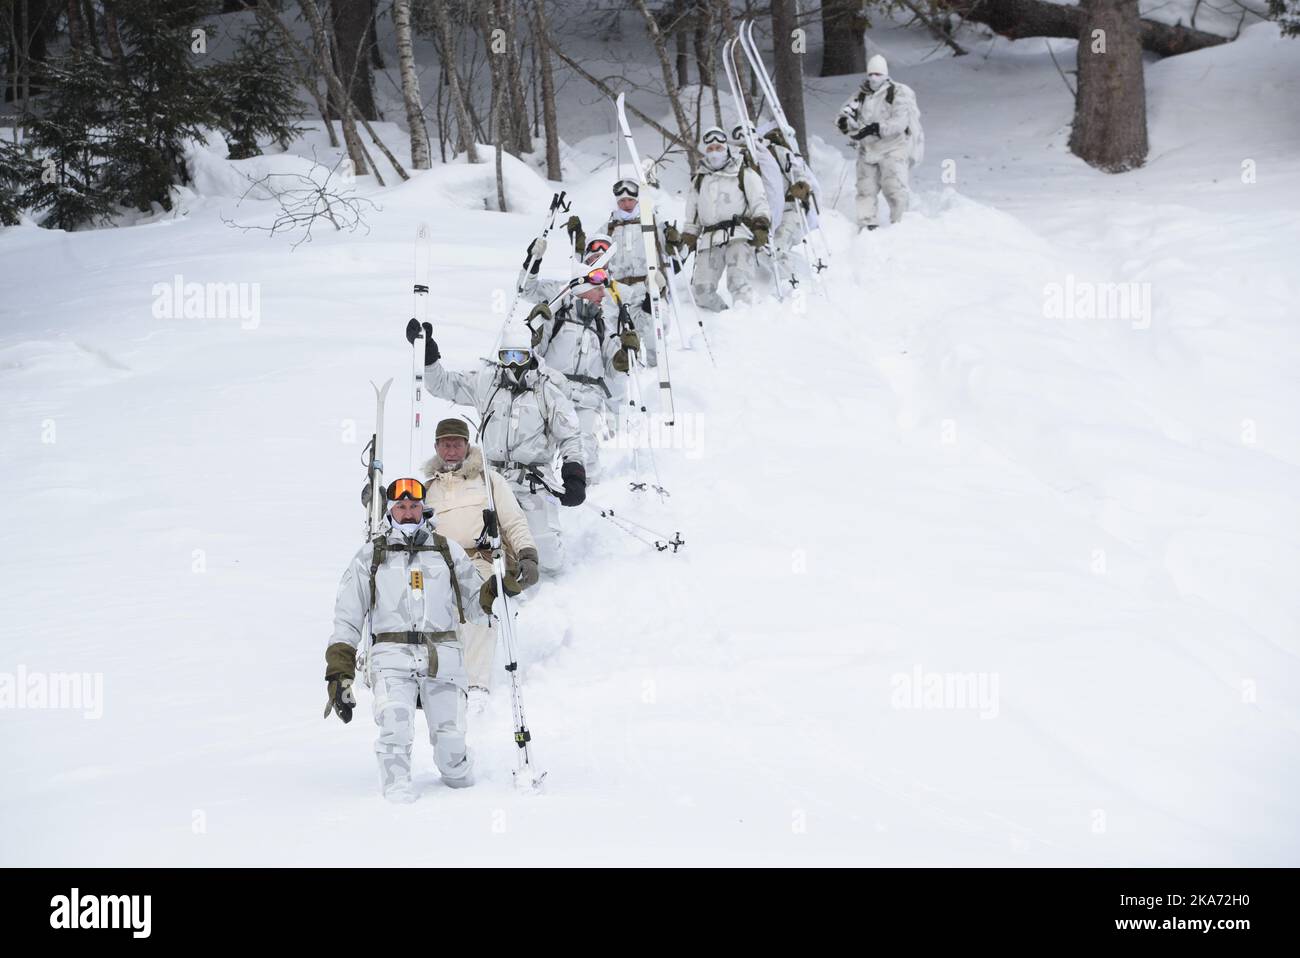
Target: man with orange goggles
column 416, row 590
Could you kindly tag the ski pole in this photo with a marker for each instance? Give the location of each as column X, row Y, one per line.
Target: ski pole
column 525, row 776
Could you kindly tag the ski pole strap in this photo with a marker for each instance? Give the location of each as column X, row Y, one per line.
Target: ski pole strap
column 591, row 381
column 437, row 543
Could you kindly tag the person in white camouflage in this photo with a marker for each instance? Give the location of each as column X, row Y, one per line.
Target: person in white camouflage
column 884, row 123
column 456, row 491
column 727, row 218
column 797, row 183
column 588, row 338
column 628, row 264
column 526, row 422
column 417, row 589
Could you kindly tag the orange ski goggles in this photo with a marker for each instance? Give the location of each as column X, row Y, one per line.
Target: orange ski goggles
column 405, row 489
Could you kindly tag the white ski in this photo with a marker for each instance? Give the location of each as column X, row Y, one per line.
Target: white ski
column 421, row 310
column 817, row 260
column 651, row 269
column 737, row 96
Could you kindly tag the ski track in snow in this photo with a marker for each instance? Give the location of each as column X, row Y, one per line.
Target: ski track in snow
column 920, row 474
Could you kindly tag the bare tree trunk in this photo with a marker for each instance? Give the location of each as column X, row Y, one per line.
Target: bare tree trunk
column 442, row 116
column 356, row 150
column 1039, row 18
column 411, row 85
column 494, row 115
column 789, row 69
column 92, row 28
column 705, row 62
column 842, row 47
column 670, row 82
column 1110, row 110
column 553, row 169
column 523, row 141
column 376, row 54
column 447, row 50
column 352, row 38
column 679, row 35
column 76, row 28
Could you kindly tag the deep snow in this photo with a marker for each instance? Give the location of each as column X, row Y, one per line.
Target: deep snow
column 1096, row 517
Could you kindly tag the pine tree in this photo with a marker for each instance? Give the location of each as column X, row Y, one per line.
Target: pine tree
column 64, row 184
column 16, row 171
column 256, row 93
column 1287, row 14
column 165, row 101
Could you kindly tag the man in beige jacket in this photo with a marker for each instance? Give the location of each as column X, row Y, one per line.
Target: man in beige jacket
column 457, row 496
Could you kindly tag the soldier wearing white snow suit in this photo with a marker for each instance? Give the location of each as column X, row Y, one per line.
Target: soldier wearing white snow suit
column 797, row 182
column 417, row 589
column 587, row 338
column 727, row 218
column 456, row 493
column 526, row 420
column 884, row 123
column 628, row 264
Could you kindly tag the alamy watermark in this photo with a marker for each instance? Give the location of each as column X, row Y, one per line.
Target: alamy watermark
column 181, row 300
column 75, row 910
column 26, row 689
column 1082, row 299
column 919, row 689
column 638, row 430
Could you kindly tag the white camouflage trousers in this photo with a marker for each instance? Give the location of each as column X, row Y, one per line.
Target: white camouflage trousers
column 591, row 405
column 400, row 673
column 787, row 233
column 888, row 174
column 737, row 258
column 542, row 510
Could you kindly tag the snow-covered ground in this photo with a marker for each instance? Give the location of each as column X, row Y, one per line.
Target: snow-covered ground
column 934, row 477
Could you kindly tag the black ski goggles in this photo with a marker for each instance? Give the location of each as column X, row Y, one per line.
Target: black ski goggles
column 400, row 489
column 714, row 136
column 627, row 188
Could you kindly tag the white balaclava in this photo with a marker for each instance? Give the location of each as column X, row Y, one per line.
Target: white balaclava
column 877, row 66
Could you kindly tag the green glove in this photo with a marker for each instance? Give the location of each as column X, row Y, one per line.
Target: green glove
column 672, row 238
column 340, row 671
column 689, row 240
column 800, row 190
column 760, row 236
column 576, row 234
column 630, row 339
column 526, row 574
column 488, row 593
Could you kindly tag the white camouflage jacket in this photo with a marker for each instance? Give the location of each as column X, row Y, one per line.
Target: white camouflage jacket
column 529, row 425
column 719, row 197
column 398, row 607
column 894, row 107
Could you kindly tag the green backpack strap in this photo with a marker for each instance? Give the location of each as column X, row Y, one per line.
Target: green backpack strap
column 376, row 560
column 440, row 543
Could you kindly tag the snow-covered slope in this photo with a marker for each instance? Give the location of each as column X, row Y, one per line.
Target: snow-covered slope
column 930, row 477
